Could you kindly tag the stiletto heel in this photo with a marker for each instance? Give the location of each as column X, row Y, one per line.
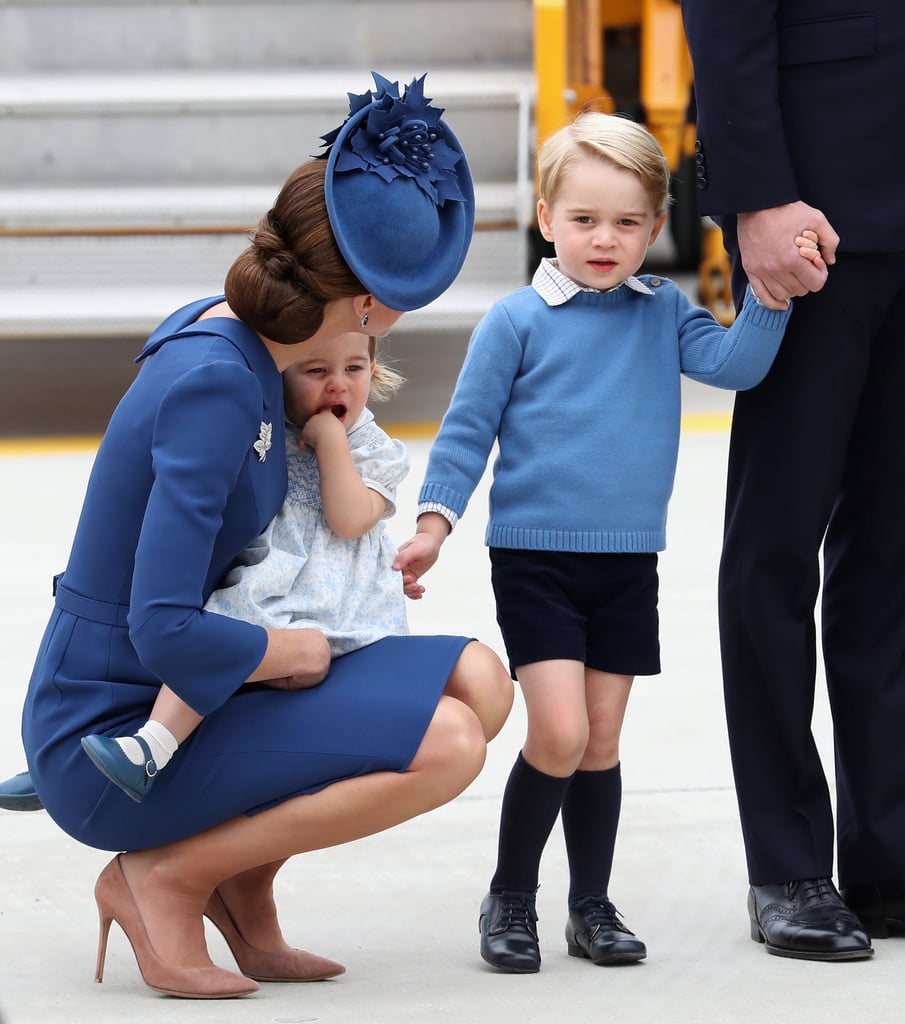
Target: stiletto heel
column 116, row 903
column 266, row 965
column 102, row 946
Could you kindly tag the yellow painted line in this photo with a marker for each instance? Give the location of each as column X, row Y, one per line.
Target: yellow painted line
column 414, row 431
column 48, row 445
column 706, row 422
column 692, row 423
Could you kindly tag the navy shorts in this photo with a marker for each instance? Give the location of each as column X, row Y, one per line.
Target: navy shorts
column 599, row 609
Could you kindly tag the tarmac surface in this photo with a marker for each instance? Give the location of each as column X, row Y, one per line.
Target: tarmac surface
column 400, row 909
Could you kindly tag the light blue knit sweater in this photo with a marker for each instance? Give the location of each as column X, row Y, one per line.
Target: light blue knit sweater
column 584, row 401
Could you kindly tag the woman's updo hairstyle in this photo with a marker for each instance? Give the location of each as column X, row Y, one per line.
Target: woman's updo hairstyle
column 280, row 284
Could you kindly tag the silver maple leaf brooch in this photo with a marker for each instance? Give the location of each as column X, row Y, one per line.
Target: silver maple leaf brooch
column 262, row 445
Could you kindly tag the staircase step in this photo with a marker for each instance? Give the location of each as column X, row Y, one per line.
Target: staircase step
column 174, row 207
column 79, row 286
column 104, row 312
column 143, row 140
column 296, row 89
column 228, row 127
column 68, row 35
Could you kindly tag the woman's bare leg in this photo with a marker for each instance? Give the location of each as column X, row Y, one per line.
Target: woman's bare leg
column 249, row 897
column 171, row 884
column 480, row 680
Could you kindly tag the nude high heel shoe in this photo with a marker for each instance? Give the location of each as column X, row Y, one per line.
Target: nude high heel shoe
column 116, row 903
column 266, row 965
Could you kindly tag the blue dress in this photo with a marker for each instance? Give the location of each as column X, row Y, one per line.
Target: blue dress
column 191, row 469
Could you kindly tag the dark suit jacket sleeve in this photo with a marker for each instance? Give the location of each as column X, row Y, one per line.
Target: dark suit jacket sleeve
column 745, row 163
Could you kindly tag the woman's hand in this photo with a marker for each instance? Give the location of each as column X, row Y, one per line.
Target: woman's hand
column 296, row 659
column 303, row 682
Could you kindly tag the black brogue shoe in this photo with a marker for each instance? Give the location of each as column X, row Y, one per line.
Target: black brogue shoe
column 806, row 920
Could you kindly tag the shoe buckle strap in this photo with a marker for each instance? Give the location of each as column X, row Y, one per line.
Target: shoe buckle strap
column 150, row 763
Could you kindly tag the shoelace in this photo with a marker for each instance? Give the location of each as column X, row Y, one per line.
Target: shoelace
column 809, row 890
column 602, row 912
column 516, row 911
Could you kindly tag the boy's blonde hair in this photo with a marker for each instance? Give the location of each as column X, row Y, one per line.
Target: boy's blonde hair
column 618, row 140
column 385, row 381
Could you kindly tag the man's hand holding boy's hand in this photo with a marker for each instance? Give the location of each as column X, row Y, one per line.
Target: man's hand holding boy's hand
column 809, row 247
column 772, row 258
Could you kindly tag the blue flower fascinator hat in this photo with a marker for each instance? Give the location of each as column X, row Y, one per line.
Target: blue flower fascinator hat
column 399, row 194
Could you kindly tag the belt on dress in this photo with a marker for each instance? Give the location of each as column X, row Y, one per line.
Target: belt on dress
column 88, row 608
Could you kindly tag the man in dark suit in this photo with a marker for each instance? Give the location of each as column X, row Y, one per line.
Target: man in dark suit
column 799, row 123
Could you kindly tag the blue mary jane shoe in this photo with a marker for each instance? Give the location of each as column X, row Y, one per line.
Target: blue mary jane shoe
column 18, row 794
column 135, row 780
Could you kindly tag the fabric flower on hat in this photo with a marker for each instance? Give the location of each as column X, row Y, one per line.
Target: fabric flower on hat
column 399, row 195
column 399, row 136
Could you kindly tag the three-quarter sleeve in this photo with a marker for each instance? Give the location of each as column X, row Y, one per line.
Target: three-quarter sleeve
column 202, row 444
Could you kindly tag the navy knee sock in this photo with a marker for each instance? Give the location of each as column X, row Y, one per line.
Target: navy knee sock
column 590, row 818
column 531, row 803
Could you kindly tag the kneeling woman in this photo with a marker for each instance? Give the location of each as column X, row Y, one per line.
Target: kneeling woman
column 191, row 469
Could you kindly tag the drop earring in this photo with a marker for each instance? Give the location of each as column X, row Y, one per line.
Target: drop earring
column 364, row 320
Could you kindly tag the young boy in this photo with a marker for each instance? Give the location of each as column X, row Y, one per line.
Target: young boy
column 577, row 378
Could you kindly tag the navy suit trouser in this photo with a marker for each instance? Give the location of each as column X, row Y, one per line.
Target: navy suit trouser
column 817, row 457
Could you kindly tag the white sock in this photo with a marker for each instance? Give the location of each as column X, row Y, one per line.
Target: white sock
column 159, row 739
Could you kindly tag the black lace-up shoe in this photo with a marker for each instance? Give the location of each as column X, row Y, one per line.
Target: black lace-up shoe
column 595, row 932
column 806, row 920
column 508, row 927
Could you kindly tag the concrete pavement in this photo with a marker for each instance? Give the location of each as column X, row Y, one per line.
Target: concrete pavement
column 400, row 909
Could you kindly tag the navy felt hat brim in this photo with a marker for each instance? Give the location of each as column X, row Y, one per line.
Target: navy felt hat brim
column 404, row 247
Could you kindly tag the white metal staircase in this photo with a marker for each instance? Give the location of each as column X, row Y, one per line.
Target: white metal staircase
column 139, row 141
